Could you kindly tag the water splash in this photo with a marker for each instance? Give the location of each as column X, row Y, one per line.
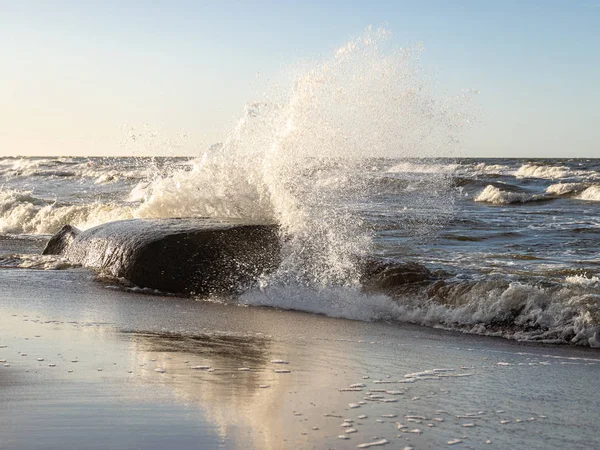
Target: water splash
column 306, row 155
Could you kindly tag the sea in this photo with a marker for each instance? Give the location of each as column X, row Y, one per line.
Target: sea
column 355, row 156
column 483, row 332
column 512, row 243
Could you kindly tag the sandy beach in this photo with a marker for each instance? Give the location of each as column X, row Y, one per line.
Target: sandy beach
column 85, row 365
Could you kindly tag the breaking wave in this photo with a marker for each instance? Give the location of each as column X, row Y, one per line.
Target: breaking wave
column 556, row 313
column 78, row 168
column 23, row 213
column 488, row 169
column 565, row 188
column 553, row 172
column 496, row 196
column 591, row 194
column 559, row 313
column 536, row 171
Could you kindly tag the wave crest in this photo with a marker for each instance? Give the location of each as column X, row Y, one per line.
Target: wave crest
column 591, row 194
column 496, row 196
column 567, row 313
column 537, row 171
column 565, row 188
column 22, row 212
column 554, row 172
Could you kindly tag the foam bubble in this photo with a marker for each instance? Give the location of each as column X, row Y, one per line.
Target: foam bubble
column 373, row 444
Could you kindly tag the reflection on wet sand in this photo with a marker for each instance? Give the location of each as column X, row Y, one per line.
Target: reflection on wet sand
column 236, row 380
column 327, row 388
column 216, row 346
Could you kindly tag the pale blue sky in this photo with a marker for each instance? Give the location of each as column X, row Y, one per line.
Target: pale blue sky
column 75, row 75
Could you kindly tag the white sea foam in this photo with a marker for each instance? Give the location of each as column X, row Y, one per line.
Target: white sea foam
column 565, row 188
column 582, row 280
column 32, row 261
column 553, row 172
column 591, row 194
column 569, row 313
column 22, row 212
column 494, row 195
column 546, row 172
column 343, row 302
column 486, row 169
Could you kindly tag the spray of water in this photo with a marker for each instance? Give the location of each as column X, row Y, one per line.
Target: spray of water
column 306, row 157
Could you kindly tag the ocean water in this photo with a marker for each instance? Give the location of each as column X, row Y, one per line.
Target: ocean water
column 338, row 153
column 512, row 243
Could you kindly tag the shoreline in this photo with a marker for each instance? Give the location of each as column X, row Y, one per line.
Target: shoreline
column 471, row 388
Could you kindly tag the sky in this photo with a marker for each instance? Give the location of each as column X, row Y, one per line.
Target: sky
column 172, row 77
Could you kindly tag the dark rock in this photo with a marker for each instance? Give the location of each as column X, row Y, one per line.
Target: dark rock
column 61, row 240
column 183, row 256
column 393, row 276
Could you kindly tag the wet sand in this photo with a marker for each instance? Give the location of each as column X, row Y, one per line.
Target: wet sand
column 87, row 366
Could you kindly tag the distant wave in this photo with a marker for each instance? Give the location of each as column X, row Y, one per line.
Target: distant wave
column 565, row 188
column 548, row 172
column 81, row 168
column 486, row 169
column 480, row 169
column 464, row 170
column 554, row 172
column 496, row 196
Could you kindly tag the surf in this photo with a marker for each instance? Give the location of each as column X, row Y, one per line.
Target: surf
column 305, row 156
